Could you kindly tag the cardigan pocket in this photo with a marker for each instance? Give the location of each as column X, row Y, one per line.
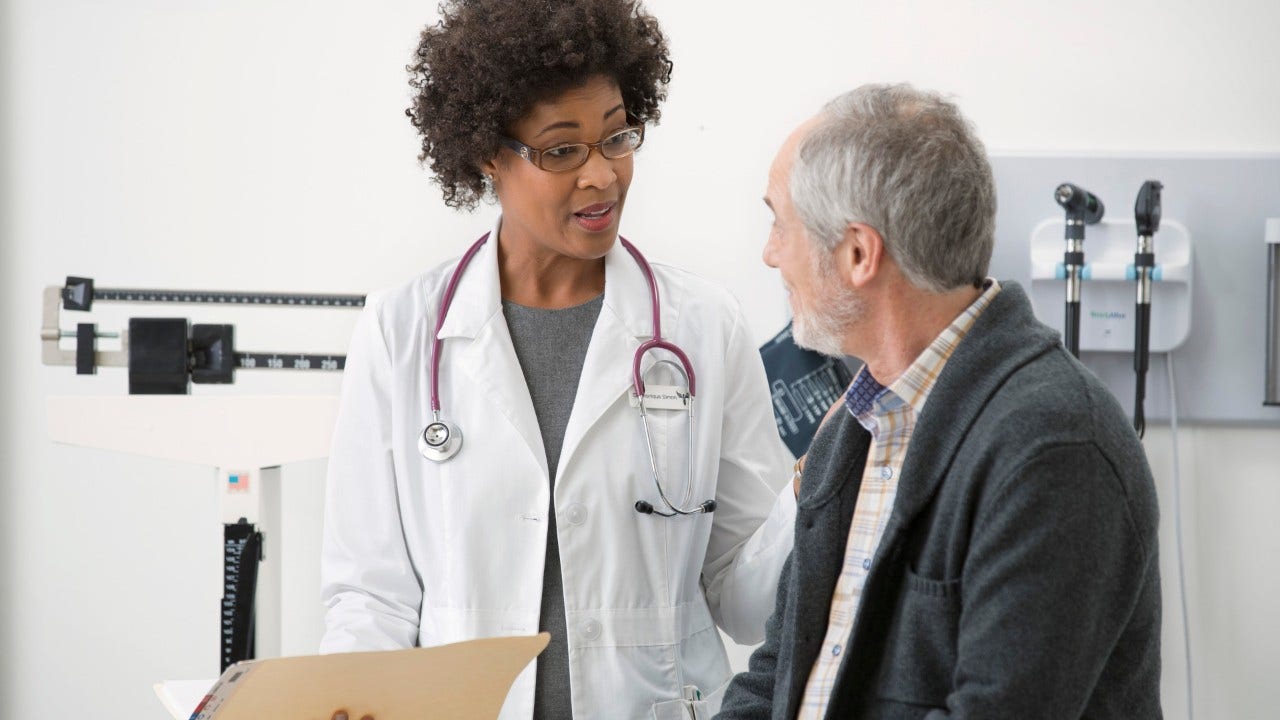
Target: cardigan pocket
column 920, row 647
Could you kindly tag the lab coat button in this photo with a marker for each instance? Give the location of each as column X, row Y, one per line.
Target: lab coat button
column 591, row 629
column 575, row 514
column 886, row 472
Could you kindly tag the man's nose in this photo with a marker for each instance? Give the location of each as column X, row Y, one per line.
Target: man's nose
column 770, row 253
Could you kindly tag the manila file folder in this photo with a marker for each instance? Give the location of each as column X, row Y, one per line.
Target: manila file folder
column 463, row 680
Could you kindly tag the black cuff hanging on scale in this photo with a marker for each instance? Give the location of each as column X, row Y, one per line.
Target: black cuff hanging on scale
column 242, row 551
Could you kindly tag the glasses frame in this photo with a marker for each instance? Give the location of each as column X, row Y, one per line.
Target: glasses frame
column 534, row 155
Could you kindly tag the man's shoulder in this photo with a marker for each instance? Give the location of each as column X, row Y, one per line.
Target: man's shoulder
column 1054, row 411
column 1025, row 387
column 1052, row 398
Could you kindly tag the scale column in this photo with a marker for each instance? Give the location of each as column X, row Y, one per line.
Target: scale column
column 251, row 516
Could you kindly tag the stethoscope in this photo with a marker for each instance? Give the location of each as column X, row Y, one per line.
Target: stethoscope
column 441, row 440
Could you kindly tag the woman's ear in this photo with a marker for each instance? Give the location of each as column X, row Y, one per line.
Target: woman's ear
column 489, row 169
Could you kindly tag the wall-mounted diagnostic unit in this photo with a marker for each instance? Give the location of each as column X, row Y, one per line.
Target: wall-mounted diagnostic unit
column 1107, row 284
column 1120, row 299
column 1181, row 244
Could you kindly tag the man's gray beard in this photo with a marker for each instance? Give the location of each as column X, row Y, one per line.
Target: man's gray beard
column 822, row 329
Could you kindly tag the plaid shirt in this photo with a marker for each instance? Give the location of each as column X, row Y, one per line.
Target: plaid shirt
column 889, row 414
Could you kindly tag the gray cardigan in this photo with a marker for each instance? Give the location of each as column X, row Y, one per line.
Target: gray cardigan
column 1018, row 574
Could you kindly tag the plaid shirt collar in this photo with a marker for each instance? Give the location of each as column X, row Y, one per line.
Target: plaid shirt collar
column 863, row 393
column 868, row 400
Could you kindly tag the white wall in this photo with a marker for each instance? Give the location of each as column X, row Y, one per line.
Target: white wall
column 261, row 145
column 8, row 342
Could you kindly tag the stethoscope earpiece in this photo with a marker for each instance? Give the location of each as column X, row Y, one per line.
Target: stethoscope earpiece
column 647, row 508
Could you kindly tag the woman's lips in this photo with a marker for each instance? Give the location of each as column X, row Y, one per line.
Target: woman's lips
column 596, row 218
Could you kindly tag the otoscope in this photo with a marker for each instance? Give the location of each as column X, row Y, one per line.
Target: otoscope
column 1083, row 208
column 1146, row 214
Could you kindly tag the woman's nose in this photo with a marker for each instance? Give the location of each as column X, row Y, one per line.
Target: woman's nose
column 597, row 172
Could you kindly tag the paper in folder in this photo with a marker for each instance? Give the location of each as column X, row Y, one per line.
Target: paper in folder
column 464, row 680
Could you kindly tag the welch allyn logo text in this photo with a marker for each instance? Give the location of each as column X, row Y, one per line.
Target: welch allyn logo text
column 1112, row 315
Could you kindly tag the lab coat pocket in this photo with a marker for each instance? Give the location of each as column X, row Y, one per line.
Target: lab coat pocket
column 701, row 709
column 672, row 710
column 920, row 648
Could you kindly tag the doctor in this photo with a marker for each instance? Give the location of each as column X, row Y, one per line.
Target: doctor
column 526, row 491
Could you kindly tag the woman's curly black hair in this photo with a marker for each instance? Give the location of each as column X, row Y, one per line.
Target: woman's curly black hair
column 487, row 62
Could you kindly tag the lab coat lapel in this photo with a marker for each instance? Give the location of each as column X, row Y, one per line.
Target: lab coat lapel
column 625, row 321
column 489, row 359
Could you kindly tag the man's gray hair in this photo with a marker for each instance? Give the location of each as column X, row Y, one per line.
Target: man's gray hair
column 907, row 163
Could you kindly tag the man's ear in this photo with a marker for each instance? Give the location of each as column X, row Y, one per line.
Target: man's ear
column 860, row 256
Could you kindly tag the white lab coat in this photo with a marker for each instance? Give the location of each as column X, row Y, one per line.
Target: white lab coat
column 418, row 553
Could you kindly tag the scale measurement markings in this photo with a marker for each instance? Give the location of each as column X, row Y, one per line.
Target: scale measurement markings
column 279, row 361
column 218, row 297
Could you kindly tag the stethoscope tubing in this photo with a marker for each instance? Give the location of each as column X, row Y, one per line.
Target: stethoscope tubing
column 657, row 342
column 445, row 302
column 637, row 380
column 653, row 461
column 454, row 436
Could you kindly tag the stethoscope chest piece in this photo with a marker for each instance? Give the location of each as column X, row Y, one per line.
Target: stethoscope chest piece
column 440, row 441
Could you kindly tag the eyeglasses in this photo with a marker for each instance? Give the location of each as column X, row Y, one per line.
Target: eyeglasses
column 571, row 156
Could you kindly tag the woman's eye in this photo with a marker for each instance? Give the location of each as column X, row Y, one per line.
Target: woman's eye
column 562, row 151
column 621, row 139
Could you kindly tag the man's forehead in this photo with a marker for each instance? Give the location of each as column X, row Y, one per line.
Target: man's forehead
column 785, row 158
column 802, row 131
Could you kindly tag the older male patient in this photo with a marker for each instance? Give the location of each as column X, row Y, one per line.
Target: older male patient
column 976, row 534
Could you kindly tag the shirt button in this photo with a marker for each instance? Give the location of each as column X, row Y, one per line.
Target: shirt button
column 886, row 472
column 575, row 514
column 866, row 564
column 591, row 629
column 835, row 651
